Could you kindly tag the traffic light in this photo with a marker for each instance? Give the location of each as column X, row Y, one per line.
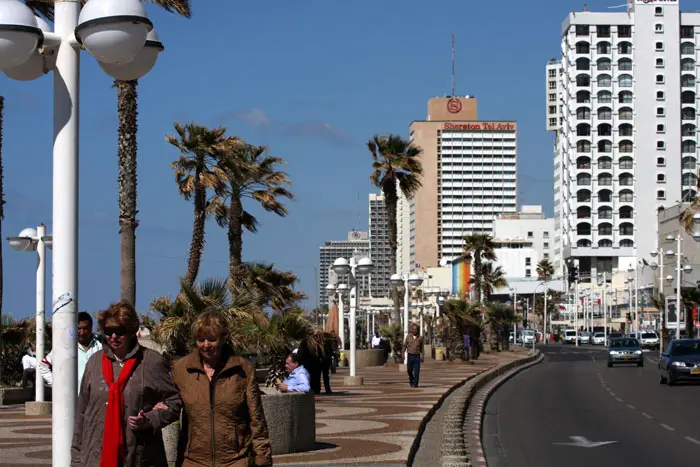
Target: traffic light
column 629, row 317
column 525, row 323
column 573, row 274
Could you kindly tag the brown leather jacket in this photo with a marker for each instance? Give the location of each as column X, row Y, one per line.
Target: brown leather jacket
column 223, row 423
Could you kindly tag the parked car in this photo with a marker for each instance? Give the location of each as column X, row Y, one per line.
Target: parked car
column 570, row 336
column 598, row 338
column 649, row 340
column 680, row 361
column 584, row 337
column 527, row 336
column 614, row 335
column 625, row 350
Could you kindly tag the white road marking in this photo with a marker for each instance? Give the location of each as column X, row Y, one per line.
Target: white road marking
column 631, row 406
column 666, row 427
column 618, row 399
column 611, row 393
column 692, row 440
column 647, row 415
column 583, row 442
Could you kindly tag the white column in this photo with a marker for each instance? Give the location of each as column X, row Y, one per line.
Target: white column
column 636, row 297
column 544, row 314
column 65, row 232
column 369, row 334
column 604, row 302
column 679, row 256
column 578, row 301
column 341, row 322
column 40, row 309
column 406, row 305
column 353, row 329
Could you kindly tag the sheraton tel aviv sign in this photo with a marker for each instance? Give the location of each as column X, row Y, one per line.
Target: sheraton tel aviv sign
column 480, row 126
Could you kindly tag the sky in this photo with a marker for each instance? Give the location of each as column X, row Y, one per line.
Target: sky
column 311, row 79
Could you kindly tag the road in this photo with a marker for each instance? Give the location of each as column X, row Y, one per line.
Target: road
column 573, row 397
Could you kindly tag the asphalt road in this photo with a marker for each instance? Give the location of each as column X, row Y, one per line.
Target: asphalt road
column 573, row 397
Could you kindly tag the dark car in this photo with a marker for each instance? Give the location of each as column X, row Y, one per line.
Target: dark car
column 680, row 361
column 625, row 350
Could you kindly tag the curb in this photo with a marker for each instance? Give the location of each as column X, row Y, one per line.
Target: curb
column 456, row 451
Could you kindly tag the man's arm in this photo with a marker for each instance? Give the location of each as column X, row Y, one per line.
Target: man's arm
column 170, row 396
column 45, row 370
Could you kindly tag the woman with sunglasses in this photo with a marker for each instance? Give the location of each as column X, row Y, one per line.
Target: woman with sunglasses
column 117, row 423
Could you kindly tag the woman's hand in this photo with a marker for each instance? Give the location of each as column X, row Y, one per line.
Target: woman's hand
column 139, row 422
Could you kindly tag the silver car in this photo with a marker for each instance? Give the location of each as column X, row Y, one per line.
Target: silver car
column 625, row 350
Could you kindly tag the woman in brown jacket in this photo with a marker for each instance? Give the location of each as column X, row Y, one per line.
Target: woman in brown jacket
column 116, row 424
column 223, row 423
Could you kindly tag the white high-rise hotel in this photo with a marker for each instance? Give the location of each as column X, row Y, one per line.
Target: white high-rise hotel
column 622, row 103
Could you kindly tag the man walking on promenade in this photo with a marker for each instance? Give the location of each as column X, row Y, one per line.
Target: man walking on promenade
column 414, row 347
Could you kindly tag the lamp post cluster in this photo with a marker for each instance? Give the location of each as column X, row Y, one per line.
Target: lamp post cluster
column 120, row 36
column 407, row 281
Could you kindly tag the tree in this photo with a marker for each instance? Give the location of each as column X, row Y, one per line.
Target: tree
column 492, row 278
column 545, row 270
column 276, row 287
column 477, row 249
column 659, row 302
column 397, row 166
column 195, row 174
column 461, row 318
column 499, row 319
column 686, row 219
column 691, row 299
column 246, row 173
column 2, row 214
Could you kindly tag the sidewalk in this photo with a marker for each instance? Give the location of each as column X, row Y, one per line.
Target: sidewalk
column 371, row 424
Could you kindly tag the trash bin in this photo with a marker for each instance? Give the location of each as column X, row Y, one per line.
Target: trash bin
column 439, row 354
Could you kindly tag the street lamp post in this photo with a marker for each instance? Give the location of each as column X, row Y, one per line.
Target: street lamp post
column 339, row 291
column 604, row 305
column 679, row 270
column 515, row 310
column 120, row 36
column 37, row 240
column 356, row 267
column 408, row 281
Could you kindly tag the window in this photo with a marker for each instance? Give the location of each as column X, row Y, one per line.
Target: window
column 583, row 179
column 552, row 85
column 552, row 109
column 626, row 113
column 688, row 147
column 688, row 97
column 659, row 46
column 626, row 196
column 552, row 73
column 659, row 27
column 583, row 113
column 688, row 113
column 626, row 229
column 687, row 48
column 605, row 229
column 604, row 64
column 687, row 32
column 546, row 255
column 583, row 243
column 605, row 113
column 583, row 163
column 625, row 81
column 605, row 196
column 583, row 64
column 660, row 95
column 604, row 129
column 583, row 97
column 688, row 81
column 659, row 11
column 689, row 179
column 605, row 212
column 528, row 273
column 582, row 30
column 626, row 179
column 605, row 97
column 583, row 146
column 660, row 194
column 604, row 179
column 660, row 112
column 583, row 196
column 660, row 128
column 528, row 261
column 659, row 63
column 583, row 129
column 660, row 161
column 583, row 80
column 604, row 81
column 604, row 48
column 626, row 129
column 659, row 79
column 689, row 163
column 530, row 234
column 627, row 243
column 626, row 163
column 552, row 98
column 624, row 48
column 605, row 243
column 626, row 146
column 661, row 145
column 626, row 212
column 546, row 245
column 624, row 64
column 605, row 163
column 660, row 178
column 688, row 64
column 624, row 31
column 583, row 47
column 545, row 234
column 688, row 130
column 552, row 122
column 625, row 97
column 604, row 146
column 603, row 31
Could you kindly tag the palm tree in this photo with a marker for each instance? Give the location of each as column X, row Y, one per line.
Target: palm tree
column 478, row 248
column 492, row 278
column 195, row 174
column 397, row 166
column 276, row 287
column 691, row 299
column 686, row 218
column 246, row 173
column 127, row 150
column 545, row 270
column 2, row 213
column 500, row 318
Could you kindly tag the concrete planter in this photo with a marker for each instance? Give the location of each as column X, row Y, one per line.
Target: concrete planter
column 291, row 421
column 369, row 357
column 10, row 396
column 171, row 435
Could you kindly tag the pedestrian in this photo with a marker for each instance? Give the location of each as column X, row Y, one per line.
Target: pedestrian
column 413, row 347
column 376, row 341
column 88, row 345
column 29, row 368
column 298, row 379
column 223, row 422
column 317, row 361
column 117, row 423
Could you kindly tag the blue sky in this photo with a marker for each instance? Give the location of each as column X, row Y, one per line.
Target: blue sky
column 313, row 80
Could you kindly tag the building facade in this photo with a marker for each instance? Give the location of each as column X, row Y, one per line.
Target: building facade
column 622, row 105
column 358, row 240
column 469, row 178
column 379, row 250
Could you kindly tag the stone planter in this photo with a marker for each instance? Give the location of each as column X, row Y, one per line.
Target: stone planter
column 171, row 435
column 369, row 357
column 291, row 421
column 10, row 396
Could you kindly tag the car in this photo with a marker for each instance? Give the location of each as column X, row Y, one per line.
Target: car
column 625, row 350
column 614, row 335
column 570, row 336
column 584, row 337
column 649, row 340
column 527, row 336
column 680, row 361
column 598, row 338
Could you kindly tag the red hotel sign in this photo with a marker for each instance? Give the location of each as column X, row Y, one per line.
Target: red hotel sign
column 480, row 126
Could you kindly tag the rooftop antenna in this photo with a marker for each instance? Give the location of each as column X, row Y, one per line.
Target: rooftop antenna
column 453, row 65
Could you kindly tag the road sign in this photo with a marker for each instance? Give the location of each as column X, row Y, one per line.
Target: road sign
column 583, row 442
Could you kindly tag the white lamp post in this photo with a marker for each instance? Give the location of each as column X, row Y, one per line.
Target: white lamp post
column 407, row 281
column 340, row 291
column 115, row 32
column 36, row 240
column 356, row 267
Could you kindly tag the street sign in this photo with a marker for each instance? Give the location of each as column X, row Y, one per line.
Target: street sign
column 583, row 442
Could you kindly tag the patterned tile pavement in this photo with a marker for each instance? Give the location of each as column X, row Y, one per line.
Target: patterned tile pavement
column 367, row 425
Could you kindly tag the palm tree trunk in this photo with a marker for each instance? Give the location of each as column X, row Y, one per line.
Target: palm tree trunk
column 390, row 201
column 2, row 217
column 197, row 243
column 235, row 238
column 127, row 106
column 477, row 276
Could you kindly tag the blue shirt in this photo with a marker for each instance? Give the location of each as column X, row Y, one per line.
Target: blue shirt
column 298, row 380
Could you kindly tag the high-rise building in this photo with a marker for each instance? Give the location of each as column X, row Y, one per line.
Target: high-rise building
column 403, row 235
column 622, row 104
column 469, row 178
column 358, row 240
column 379, row 250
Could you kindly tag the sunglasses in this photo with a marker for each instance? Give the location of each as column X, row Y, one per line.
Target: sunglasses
column 120, row 331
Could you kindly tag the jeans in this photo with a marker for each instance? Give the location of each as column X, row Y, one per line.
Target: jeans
column 413, row 368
